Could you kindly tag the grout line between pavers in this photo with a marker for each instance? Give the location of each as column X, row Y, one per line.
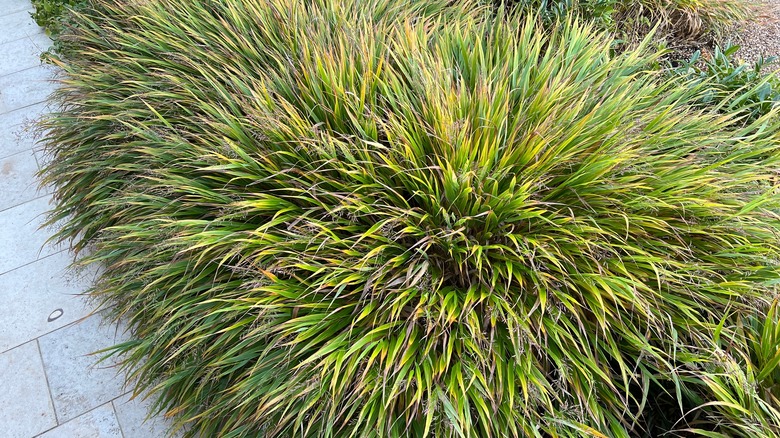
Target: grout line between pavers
column 51, row 67
column 27, row 130
column 37, row 164
column 48, row 386
column 40, row 63
column 25, row 105
column 40, row 192
column 27, row 35
column 116, row 415
column 68, row 325
column 27, row 9
column 36, row 198
column 21, row 108
column 2, row 76
column 24, row 33
column 30, row 149
column 77, row 416
column 19, row 152
column 34, row 261
column 38, row 60
column 23, row 132
column 36, row 81
column 45, row 99
column 17, row 346
column 130, row 392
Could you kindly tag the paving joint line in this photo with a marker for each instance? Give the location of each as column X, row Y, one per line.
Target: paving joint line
column 33, row 261
column 4, row 157
column 19, row 136
column 43, row 64
column 77, row 416
column 38, row 59
column 21, row 108
column 116, row 415
column 70, row 324
column 27, row 105
column 26, row 37
column 4, row 75
column 5, row 14
column 36, row 198
column 48, row 385
column 17, row 346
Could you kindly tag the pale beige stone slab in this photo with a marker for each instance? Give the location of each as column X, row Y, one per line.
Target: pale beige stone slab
column 100, row 422
column 25, row 405
column 40, row 298
column 18, row 24
column 23, row 53
column 77, row 381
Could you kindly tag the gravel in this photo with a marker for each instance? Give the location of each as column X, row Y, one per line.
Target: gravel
column 760, row 37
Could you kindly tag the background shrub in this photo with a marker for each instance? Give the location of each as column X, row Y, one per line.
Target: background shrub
column 688, row 19
column 685, row 21
column 599, row 11
column 732, row 86
column 380, row 218
column 50, row 14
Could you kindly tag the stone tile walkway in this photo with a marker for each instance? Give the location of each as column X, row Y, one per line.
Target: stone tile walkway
column 50, row 384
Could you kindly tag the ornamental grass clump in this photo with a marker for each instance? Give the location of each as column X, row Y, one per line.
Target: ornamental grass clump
column 690, row 21
column 354, row 218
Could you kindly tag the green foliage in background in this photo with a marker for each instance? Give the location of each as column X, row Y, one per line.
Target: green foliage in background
column 600, row 11
column 372, row 218
column 50, row 14
column 732, row 86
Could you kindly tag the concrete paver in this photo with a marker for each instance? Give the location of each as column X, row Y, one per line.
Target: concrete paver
column 100, row 422
column 8, row 7
column 21, row 237
column 17, row 179
column 25, row 406
column 23, row 53
column 39, row 298
column 77, row 382
column 26, row 87
column 18, row 25
column 16, row 129
column 133, row 417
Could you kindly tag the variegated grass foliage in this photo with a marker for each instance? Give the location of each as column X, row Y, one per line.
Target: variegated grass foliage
column 354, row 218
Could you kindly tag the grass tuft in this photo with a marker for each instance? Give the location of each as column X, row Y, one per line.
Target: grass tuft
column 381, row 219
column 684, row 21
